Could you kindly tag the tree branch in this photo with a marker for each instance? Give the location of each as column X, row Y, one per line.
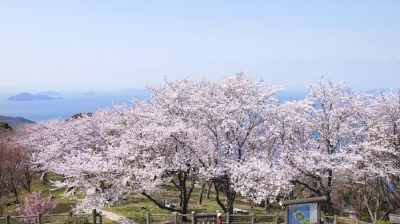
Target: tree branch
column 162, row 206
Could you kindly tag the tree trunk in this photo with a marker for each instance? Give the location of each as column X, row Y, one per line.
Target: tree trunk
column 15, row 191
column 369, row 209
column 219, row 202
column 44, row 177
column 223, row 185
column 185, row 192
column 328, row 191
column 267, row 206
column 200, row 199
column 209, row 190
column 329, row 206
column 230, row 200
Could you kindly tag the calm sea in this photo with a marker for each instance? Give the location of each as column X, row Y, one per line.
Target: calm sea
column 70, row 104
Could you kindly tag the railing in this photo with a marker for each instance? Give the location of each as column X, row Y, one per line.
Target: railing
column 341, row 220
column 177, row 218
column 394, row 218
column 83, row 218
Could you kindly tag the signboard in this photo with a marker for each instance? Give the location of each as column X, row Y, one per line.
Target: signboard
column 205, row 218
column 393, row 218
column 303, row 213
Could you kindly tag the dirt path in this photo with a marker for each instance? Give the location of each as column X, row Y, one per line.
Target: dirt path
column 117, row 218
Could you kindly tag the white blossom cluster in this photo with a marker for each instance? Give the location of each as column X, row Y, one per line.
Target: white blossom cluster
column 232, row 128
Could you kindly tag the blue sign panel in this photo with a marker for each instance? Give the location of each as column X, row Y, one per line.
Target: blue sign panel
column 302, row 213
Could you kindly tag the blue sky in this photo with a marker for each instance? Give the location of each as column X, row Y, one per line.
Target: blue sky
column 114, row 45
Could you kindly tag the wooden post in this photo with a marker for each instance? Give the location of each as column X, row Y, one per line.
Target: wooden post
column 253, row 218
column 148, row 218
column 94, row 215
column 335, row 219
column 318, row 213
column 39, row 218
column 287, row 214
column 357, row 221
column 100, row 217
column 228, row 218
column 193, row 216
column 175, row 216
column 8, row 220
column 276, row 219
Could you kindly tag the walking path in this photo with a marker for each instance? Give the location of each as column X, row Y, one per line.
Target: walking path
column 117, row 218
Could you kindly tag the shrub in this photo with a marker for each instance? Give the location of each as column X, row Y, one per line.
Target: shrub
column 5, row 125
column 380, row 221
column 34, row 203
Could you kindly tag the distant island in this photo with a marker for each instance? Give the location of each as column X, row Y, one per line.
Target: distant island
column 28, row 96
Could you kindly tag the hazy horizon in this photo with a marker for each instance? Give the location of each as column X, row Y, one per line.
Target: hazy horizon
column 103, row 45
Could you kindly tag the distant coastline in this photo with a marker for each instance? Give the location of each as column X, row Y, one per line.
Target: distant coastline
column 15, row 122
column 71, row 103
column 84, row 102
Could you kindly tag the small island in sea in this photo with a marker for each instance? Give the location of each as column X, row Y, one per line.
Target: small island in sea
column 28, row 96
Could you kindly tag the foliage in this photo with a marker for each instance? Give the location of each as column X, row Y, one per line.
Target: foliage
column 233, row 134
column 81, row 115
column 33, row 204
column 5, row 125
column 14, row 168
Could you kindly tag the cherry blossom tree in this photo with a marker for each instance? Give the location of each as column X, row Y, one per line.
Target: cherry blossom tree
column 318, row 146
column 15, row 170
column 232, row 133
column 84, row 151
column 377, row 172
column 384, row 134
column 188, row 131
column 166, row 148
column 208, row 126
column 231, row 114
column 33, row 204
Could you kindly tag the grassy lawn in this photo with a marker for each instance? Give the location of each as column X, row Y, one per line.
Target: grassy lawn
column 65, row 204
column 137, row 206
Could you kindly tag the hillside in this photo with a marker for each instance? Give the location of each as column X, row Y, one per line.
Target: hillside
column 15, row 122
